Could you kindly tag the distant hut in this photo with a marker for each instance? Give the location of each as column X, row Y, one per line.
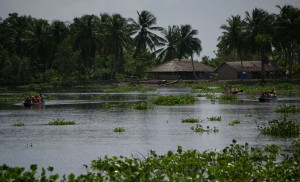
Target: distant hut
column 181, row 69
column 250, row 70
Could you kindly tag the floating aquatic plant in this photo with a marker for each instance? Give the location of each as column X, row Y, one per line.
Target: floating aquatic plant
column 190, row 120
column 287, row 109
column 119, row 129
column 198, row 128
column 141, row 106
column 61, row 122
column 281, row 128
column 19, row 124
column 169, row 100
column 215, row 118
column 234, row 122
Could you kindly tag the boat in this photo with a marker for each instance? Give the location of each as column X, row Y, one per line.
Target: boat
column 34, row 101
column 268, row 96
column 29, row 104
column 267, row 99
column 232, row 90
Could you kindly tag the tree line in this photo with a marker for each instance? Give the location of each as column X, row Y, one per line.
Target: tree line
column 97, row 48
column 111, row 47
column 262, row 36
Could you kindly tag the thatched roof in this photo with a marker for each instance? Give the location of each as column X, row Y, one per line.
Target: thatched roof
column 183, row 65
column 252, row 66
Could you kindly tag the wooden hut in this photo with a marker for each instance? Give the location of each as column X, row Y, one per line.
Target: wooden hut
column 180, row 69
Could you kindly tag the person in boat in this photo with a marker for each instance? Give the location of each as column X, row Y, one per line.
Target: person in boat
column 28, row 99
column 42, row 97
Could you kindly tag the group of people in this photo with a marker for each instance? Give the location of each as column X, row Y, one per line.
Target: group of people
column 231, row 89
column 34, row 99
column 269, row 94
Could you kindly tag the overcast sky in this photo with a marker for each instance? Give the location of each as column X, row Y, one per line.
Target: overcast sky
column 206, row 16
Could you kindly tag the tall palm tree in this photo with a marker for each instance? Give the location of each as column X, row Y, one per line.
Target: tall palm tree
column 117, row 36
column 259, row 30
column 171, row 36
column 37, row 41
column 143, row 32
column 85, row 34
column 188, row 44
column 287, row 24
column 233, row 37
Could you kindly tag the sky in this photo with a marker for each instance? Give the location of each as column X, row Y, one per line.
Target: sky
column 205, row 16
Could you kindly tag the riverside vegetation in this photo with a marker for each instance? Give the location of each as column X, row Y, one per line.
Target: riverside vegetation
column 236, row 162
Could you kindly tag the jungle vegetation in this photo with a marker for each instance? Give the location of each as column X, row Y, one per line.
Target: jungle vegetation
column 112, row 47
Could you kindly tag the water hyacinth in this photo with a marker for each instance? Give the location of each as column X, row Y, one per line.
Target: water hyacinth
column 234, row 122
column 119, row 129
column 287, row 109
column 57, row 122
column 281, row 128
column 19, row 124
column 190, row 120
column 235, row 162
column 170, row 100
column 198, row 128
column 215, row 118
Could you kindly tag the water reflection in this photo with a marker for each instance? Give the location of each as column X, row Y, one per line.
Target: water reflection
column 67, row 148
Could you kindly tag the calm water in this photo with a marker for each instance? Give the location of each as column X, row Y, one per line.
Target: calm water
column 67, row 148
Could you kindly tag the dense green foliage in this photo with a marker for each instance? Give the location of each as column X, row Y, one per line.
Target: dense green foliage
column 236, row 162
column 234, row 122
column 170, row 100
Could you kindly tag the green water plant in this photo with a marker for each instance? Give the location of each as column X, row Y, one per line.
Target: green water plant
column 19, row 124
column 190, row 120
column 119, row 129
column 170, row 100
column 198, row 128
column 235, row 162
column 215, row 118
column 227, row 97
column 58, row 122
column 138, row 88
column 281, row 128
column 141, row 106
column 234, row 122
column 287, row 109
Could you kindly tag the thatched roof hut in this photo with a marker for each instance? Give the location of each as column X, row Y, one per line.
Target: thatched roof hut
column 183, row 69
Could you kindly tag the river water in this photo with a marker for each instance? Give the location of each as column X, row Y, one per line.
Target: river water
column 68, row 148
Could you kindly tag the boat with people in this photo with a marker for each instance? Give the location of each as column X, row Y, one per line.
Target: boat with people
column 268, row 96
column 34, row 100
column 232, row 90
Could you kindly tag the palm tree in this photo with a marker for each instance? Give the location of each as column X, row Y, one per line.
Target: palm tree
column 143, row 30
column 188, row 44
column 117, row 36
column 37, row 41
column 287, row 32
column 233, row 37
column 259, row 30
column 171, row 36
column 85, row 34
